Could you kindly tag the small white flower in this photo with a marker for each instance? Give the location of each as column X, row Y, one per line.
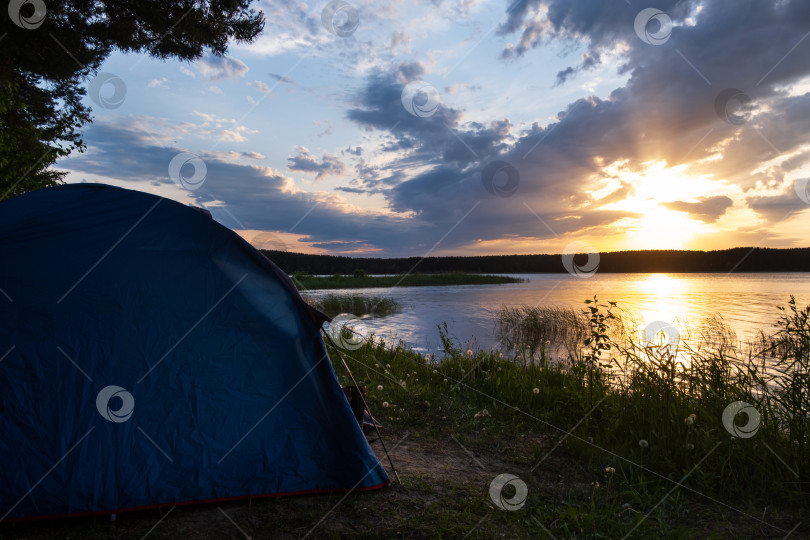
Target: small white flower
column 469, row 352
column 536, row 390
column 388, row 366
column 500, row 355
column 386, row 404
column 609, row 470
column 644, row 444
column 693, row 416
column 379, row 387
column 548, row 342
column 427, row 357
column 435, row 371
column 689, row 420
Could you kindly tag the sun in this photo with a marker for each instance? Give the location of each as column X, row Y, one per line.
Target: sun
column 654, row 225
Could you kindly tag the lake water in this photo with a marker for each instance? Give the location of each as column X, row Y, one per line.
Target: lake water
column 746, row 301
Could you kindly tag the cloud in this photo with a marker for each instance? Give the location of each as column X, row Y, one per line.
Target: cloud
column 158, row 83
column 216, row 68
column 306, row 162
column 354, row 151
column 665, row 113
column 241, row 196
column 231, row 135
column 260, row 86
column 281, row 78
column 706, row 209
column 785, row 202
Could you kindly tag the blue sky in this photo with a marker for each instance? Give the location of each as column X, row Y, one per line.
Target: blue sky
column 534, row 125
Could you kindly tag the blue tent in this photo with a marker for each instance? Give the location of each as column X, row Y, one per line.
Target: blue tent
column 152, row 357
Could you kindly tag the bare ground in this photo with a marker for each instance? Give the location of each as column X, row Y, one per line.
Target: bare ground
column 444, row 494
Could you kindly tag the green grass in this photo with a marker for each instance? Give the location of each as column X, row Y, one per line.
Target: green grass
column 356, row 304
column 307, row 282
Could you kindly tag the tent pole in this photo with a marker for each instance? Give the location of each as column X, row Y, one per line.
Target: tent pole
column 365, row 405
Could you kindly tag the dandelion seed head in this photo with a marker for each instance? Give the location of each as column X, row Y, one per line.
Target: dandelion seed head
column 536, row 390
column 379, row 387
column 386, row 404
column 644, row 444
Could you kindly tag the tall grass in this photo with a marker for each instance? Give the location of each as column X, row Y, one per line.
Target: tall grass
column 654, row 413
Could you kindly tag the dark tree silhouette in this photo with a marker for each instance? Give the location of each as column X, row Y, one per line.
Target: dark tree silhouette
column 49, row 50
column 727, row 260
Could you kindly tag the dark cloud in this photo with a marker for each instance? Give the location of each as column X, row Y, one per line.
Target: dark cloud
column 354, row 151
column 244, row 197
column 666, row 113
column 306, row 162
column 706, row 209
column 429, row 169
column 776, row 208
column 281, row 78
column 215, row 68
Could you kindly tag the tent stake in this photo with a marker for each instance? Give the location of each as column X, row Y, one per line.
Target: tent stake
column 365, row 405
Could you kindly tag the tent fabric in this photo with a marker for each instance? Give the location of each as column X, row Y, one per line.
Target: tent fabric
column 151, row 357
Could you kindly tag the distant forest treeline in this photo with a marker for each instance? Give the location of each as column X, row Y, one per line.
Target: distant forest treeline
column 737, row 260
